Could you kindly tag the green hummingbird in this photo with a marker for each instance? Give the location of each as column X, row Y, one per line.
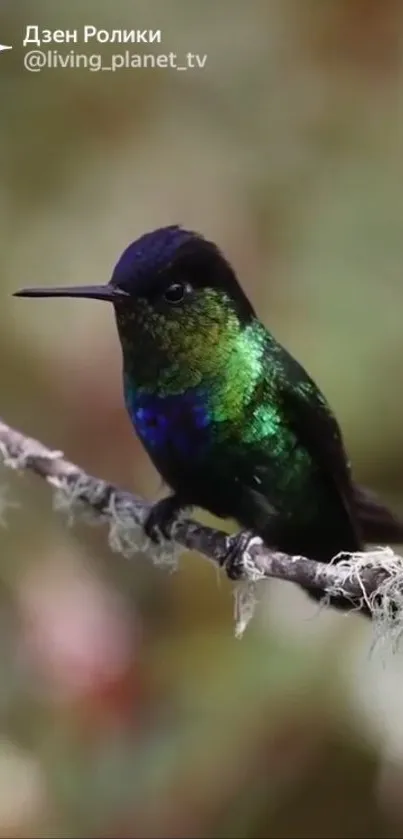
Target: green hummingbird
column 232, row 422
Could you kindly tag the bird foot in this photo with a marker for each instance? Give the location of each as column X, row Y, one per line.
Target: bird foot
column 234, row 560
column 162, row 518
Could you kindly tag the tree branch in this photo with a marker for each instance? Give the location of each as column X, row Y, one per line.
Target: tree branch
column 372, row 582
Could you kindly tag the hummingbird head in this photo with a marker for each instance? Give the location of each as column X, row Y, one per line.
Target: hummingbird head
column 177, row 303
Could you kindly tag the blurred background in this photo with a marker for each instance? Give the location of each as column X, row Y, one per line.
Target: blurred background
column 127, row 706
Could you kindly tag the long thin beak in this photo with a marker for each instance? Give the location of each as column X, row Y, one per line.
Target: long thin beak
column 93, row 292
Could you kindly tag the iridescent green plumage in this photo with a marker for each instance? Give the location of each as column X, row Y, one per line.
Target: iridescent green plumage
column 214, row 356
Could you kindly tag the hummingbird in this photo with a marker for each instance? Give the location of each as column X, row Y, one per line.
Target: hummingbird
column 231, row 421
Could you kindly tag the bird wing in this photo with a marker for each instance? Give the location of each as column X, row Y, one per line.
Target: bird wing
column 317, row 429
column 378, row 523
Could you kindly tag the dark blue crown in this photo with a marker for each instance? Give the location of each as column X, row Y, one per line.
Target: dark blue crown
column 150, row 253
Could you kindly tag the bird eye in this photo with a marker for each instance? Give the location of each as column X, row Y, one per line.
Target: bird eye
column 175, row 293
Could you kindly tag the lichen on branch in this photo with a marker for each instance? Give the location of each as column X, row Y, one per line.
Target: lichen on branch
column 371, row 581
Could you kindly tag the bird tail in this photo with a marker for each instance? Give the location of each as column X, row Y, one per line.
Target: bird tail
column 378, row 524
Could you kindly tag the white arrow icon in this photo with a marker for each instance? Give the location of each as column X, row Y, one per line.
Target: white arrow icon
column 4, row 47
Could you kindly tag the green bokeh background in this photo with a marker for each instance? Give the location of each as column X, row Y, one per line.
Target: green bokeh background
column 127, row 707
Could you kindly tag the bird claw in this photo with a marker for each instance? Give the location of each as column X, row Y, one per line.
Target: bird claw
column 161, row 519
column 233, row 561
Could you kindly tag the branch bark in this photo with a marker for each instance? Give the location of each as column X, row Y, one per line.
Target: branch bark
column 372, row 582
